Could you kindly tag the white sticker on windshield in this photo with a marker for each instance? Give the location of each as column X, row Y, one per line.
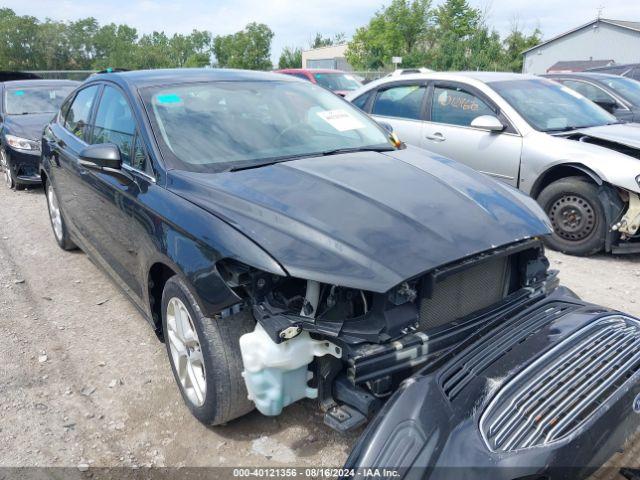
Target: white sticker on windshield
column 341, row 120
column 572, row 92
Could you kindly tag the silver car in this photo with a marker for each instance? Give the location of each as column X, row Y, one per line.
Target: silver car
column 579, row 162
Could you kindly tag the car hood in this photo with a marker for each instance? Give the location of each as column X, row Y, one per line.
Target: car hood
column 622, row 133
column 365, row 220
column 27, row 126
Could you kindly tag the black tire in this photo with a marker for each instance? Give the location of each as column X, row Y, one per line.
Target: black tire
column 577, row 216
column 219, row 339
column 63, row 239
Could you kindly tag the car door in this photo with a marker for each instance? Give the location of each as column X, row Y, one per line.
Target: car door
column 401, row 105
column 67, row 138
column 599, row 96
column 109, row 196
column 452, row 107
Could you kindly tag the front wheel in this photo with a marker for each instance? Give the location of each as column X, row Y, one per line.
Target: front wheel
column 7, row 173
column 58, row 224
column 205, row 355
column 577, row 216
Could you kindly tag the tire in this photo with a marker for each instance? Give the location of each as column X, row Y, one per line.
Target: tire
column 215, row 356
column 577, row 216
column 60, row 231
column 8, row 177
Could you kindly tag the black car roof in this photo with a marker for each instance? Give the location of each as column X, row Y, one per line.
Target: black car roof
column 40, row 83
column 146, row 78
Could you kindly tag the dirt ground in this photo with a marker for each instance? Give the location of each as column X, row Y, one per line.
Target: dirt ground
column 84, row 381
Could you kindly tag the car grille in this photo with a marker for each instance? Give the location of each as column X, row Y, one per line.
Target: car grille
column 480, row 355
column 463, row 293
column 559, row 392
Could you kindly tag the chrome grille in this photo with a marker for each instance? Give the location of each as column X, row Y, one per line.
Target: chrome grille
column 554, row 396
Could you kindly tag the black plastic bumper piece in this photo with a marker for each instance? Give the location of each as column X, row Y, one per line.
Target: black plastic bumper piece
column 423, row 432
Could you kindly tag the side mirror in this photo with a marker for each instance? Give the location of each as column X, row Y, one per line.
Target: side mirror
column 488, row 123
column 102, row 155
column 385, row 125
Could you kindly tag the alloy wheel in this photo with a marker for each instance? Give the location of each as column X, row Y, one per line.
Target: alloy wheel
column 573, row 217
column 4, row 164
column 186, row 352
column 54, row 213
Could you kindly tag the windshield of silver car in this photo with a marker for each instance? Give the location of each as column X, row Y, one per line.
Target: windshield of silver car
column 551, row 107
column 217, row 126
column 31, row 100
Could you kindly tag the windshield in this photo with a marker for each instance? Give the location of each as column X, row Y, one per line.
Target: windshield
column 41, row 99
column 549, row 106
column 627, row 88
column 337, row 81
column 210, row 127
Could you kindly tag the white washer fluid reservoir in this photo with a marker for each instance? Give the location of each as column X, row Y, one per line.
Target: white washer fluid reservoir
column 276, row 374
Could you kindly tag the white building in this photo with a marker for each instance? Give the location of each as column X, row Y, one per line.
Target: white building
column 331, row 57
column 599, row 40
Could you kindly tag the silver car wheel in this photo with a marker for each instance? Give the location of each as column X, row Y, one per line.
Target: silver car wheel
column 5, row 169
column 54, row 213
column 186, row 352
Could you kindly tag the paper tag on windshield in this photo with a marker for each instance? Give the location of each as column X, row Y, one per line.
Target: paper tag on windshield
column 341, row 120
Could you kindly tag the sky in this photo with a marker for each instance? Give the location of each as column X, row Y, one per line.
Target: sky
column 295, row 22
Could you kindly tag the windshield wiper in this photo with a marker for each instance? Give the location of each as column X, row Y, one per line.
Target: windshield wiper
column 286, row 158
column 337, row 151
column 270, row 161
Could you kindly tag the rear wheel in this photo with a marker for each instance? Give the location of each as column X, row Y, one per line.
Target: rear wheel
column 58, row 225
column 205, row 355
column 577, row 216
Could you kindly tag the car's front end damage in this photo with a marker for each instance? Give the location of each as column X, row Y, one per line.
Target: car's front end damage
column 426, row 315
column 610, row 155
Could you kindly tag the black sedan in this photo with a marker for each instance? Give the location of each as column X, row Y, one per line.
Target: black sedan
column 285, row 248
column 27, row 106
column 617, row 95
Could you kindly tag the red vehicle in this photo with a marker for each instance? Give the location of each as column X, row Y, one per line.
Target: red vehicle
column 337, row 81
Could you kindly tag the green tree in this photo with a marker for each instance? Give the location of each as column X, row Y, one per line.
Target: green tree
column 320, row 41
column 249, row 48
column 517, row 42
column 116, row 46
column 401, row 29
column 458, row 28
column 290, row 58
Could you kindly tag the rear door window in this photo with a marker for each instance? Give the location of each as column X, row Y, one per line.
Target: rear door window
column 402, row 101
column 77, row 118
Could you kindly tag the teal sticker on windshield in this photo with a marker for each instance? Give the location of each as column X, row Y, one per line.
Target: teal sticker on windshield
column 168, row 98
column 19, row 92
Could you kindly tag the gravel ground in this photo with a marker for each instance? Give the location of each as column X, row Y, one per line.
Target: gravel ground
column 84, row 381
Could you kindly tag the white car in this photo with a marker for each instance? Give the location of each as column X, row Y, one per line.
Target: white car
column 579, row 162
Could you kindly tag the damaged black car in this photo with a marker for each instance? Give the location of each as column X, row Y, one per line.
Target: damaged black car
column 284, row 247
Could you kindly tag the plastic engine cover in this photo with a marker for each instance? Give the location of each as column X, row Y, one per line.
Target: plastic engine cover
column 276, row 374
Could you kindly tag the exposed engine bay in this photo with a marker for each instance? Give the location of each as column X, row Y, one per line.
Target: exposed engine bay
column 351, row 348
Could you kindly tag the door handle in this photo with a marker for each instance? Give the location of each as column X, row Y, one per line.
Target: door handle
column 436, row 137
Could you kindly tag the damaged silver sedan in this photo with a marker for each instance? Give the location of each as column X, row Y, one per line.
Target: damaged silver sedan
column 578, row 161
